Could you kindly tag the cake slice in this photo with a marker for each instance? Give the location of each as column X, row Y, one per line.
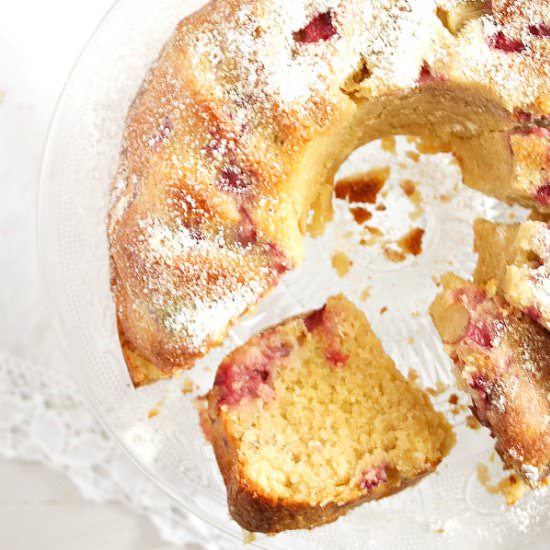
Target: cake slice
column 517, row 257
column 311, row 418
column 502, row 360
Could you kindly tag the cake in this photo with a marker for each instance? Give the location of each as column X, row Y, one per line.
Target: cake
column 502, row 359
column 239, row 127
column 311, row 418
column 517, row 257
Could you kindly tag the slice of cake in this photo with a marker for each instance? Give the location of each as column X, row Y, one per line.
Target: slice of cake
column 311, row 418
column 502, row 360
column 517, row 257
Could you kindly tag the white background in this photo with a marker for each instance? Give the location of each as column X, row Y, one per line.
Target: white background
column 39, row 42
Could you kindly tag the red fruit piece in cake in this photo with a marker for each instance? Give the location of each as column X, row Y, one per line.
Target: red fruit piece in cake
column 249, row 375
column 324, row 325
column 542, row 194
column 428, row 77
column 246, row 231
column 540, row 30
column 279, row 260
column 373, row 477
column 320, row 28
column 234, row 180
column 321, row 441
column 314, row 319
column 164, row 130
column 500, row 41
column 508, row 381
column 482, row 333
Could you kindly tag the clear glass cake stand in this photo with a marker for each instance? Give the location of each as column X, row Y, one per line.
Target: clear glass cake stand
column 450, row 509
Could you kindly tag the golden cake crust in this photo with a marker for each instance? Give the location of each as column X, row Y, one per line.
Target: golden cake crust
column 245, row 117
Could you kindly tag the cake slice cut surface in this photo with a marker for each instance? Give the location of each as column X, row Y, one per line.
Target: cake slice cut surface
column 502, row 360
column 311, row 418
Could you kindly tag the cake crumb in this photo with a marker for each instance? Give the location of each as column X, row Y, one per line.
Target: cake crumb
column 453, row 399
column 510, row 487
column 341, row 263
column 472, row 422
column 375, row 235
column 416, row 199
column 393, row 255
column 438, row 390
column 410, row 340
column 248, row 537
column 360, row 214
column 413, row 376
column 411, row 242
column 381, row 207
column 365, row 295
column 413, row 156
column 362, row 187
column 155, row 411
column 408, row 187
column 374, row 231
column 388, row 144
column 444, row 199
column 440, row 530
column 383, row 310
column 187, row 386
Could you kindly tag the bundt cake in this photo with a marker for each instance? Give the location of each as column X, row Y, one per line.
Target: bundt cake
column 252, row 105
column 310, row 418
column 517, row 258
column 502, row 359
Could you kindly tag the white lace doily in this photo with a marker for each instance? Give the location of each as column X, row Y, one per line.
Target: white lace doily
column 43, row 419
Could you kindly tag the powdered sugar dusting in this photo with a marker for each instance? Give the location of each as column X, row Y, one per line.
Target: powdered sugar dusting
column 237, row 93
column 520, row 78
column 199, row 302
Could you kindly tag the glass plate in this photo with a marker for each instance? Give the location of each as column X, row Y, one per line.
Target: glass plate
column 158, row 425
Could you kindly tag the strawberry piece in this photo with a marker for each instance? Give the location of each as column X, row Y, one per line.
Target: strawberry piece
column 500, row 41
column 373, row 478
column 320, row 28
column 314, row 319
column 542, row 194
